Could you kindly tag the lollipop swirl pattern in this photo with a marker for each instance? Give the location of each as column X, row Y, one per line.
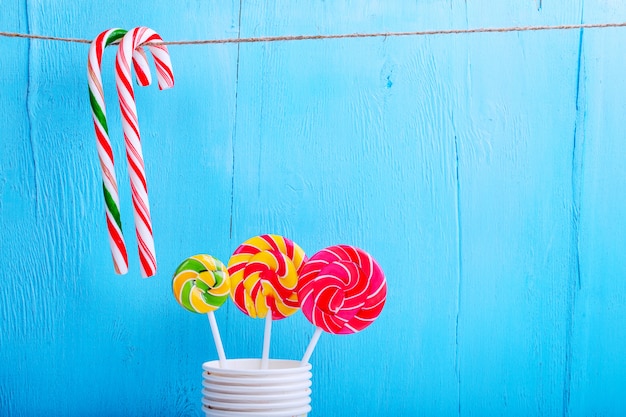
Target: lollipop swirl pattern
column 201, row 284
column 342, row 289
column 264, row 274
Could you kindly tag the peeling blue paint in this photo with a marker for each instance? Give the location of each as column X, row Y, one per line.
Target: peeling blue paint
column 490, row 193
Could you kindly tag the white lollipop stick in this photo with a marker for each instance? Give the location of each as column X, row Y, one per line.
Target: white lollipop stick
column 218, row 340
column 266, row 341
column 309, row 349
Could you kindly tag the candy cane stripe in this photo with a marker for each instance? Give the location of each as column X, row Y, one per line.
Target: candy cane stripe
column 105, row 153
column 135, row 54
column 133, row 40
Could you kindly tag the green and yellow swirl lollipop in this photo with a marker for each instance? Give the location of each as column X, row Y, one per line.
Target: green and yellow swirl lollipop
column 201, row 284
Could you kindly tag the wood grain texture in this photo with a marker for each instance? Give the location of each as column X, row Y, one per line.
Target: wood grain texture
column 515, row 141
column 598, row 339
column 78, row 340
column 351, row 142
column 484, row 172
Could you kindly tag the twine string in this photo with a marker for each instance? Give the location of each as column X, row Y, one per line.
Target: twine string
column 288, row 38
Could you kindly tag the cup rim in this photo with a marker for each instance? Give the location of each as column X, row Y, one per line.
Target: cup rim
column 282, row 413
column 257, row 380
column 239, row 406
column 227, row 397
column 239, row 389
column 252, row 366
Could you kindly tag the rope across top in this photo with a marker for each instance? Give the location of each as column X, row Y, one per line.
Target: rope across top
column 288, row 38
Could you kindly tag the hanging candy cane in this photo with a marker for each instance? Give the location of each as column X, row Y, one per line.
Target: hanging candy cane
column 105, row 152
column 134, row 39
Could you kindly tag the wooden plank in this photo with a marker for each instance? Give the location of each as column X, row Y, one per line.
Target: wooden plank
column 73, row 325
column 482, row 171
column 598, row 338
column 352, row 142
column 17, row 208
column 515, row 127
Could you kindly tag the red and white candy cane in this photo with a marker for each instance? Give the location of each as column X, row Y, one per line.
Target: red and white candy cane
column 105, row 151
column 134, row 39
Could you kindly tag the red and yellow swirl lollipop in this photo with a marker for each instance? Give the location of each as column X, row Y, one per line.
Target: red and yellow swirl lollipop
column 342, row 290
column 264, row 273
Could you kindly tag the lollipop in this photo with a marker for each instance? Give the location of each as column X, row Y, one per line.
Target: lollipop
column 264, row 274
column 342, row 290
column 201, row 285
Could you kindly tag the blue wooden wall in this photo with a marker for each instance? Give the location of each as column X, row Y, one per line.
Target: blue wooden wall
column 485, row 172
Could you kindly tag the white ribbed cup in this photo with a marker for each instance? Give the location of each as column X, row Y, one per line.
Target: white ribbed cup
column 242, row 388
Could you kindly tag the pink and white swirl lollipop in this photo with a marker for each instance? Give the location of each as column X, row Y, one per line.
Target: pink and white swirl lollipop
column 341, row 290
